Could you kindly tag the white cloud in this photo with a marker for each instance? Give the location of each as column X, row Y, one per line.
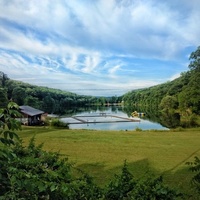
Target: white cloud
column 90, row 63
column 135, row 26
column 113, row 70
column 175, row 76
column 90, row 40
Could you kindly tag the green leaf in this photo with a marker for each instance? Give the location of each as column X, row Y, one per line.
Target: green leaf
column 3, row 140
column 53, row 187
column 5, row 134
column 41, row 186
column 11, row 135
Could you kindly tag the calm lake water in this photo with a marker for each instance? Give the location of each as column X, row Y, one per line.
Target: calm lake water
column 144, row 124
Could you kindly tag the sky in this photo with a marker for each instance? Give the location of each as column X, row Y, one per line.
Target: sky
column 97, row 47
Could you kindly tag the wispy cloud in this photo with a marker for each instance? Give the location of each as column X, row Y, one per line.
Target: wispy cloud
column 90, row 63
column 175, row 76
column 79, row 45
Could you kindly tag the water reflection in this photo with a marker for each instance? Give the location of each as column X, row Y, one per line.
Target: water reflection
column 144, row 123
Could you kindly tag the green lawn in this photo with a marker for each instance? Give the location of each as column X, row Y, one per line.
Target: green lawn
column 102, row 153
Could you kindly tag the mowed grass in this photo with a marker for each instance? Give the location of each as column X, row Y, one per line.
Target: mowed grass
column 102, row 153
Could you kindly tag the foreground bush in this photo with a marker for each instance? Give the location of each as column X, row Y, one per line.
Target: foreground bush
column 195, row 167
column 58, row 123
column 124, row 186
column 32, row 173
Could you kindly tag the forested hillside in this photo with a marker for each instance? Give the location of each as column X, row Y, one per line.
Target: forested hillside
column 44, row 98
column 178, row 100
column 180, row 97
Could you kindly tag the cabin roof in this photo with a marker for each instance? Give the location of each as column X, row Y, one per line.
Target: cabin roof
column 30, row 110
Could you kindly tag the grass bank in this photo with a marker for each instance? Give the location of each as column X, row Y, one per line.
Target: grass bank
column 102, row 153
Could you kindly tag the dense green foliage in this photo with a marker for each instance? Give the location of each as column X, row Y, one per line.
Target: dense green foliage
column 8, row 124
column 125, row 186
column 58, row 123
column 195, row 167
column 3, row 98
column 32, row 173
column 178, row 99
column 36, row 174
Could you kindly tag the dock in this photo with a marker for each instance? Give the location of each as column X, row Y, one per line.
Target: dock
column 97, row 118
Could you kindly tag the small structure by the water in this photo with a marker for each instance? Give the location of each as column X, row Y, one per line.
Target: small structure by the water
column 137, row 114
column 30, row 115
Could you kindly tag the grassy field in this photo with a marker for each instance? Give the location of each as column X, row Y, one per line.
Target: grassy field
column 102, row 153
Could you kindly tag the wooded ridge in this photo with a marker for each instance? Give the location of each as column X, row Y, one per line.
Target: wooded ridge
column 179, row 98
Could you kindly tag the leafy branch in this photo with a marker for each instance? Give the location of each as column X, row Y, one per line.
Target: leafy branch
column 9, row 123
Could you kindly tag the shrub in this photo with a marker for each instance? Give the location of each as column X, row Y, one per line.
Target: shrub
column 121, row 186
column 138, row 129
column 195, row 167
column 124, row 186
column 153, row 188
column 58, row 123
column 46, row 122
column 32, row 173
column 189, row 120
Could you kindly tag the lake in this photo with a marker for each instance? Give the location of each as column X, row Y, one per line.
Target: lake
column 109, row 119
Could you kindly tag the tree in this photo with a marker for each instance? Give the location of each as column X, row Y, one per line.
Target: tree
column 32, row 101
column 169, row 103
column 49, row 104
column 3, row 78
column 18, row 95
column 3, row 98
column 195, row 60
column 189, row 97
column 169, row 114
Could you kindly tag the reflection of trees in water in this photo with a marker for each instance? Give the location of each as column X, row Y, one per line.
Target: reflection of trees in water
column 75, row 110
column 170, row 120
column 167, row 119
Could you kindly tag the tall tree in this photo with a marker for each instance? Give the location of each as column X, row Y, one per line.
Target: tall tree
column 195, row 60
column 3, row 98
column 49, row 104
column 3, row 78
column 169, row 115
column 18, row 95
column 189, row 97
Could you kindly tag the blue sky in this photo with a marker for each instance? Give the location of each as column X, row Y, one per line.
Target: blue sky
column 97, row 47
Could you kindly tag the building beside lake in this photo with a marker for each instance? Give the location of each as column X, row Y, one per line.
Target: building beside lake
column 30, row 116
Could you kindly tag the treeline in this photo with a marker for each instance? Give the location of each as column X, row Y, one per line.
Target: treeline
column 44, row 98
column 178, row 100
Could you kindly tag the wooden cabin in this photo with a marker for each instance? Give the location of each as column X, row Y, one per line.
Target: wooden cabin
column 30, row 116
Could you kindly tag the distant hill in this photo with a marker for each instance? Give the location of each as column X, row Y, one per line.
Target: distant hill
column 48, row 99
column 181, row 95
